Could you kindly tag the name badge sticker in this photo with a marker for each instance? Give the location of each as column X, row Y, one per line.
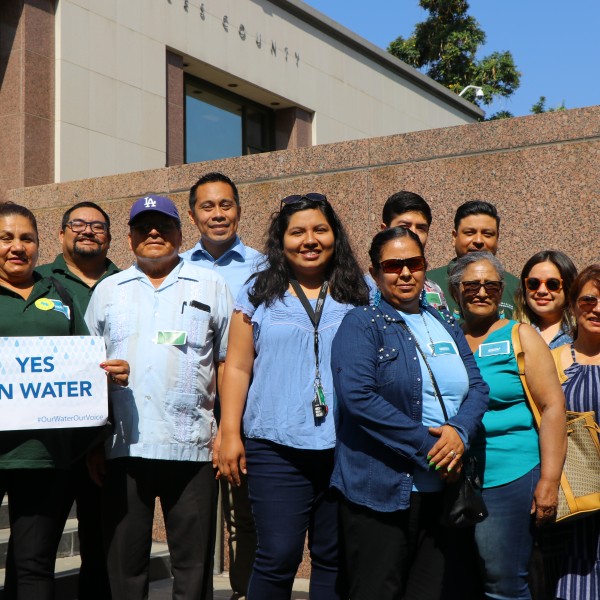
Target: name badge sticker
column 434, row 299
column 494, row 349
column 441, row 348
column 171, row 338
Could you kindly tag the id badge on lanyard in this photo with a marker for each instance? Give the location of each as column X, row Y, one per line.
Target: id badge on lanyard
column 319, row 405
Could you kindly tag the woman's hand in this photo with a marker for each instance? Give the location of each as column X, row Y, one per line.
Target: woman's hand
column 232, row 459
column 117, row 371
column 216, row 450
column 545, row 501
column 448, row 450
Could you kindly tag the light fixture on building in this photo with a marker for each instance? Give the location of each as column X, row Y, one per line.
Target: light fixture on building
column 478, row 91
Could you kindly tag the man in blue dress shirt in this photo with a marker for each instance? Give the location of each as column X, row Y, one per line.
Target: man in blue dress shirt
column 215, row 210
column 170, row 320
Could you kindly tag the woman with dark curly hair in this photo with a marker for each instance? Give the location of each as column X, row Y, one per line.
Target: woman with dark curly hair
column 278, row 382
column 542, row 298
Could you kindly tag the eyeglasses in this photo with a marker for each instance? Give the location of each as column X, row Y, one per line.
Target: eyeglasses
column 490, row 287
column 396, row 265
column 587, row 303
column 144, row 228
column 288, row 200
column 553, row 284
column 79, row 226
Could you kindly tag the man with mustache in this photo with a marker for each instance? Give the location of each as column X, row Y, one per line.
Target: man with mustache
column 85, row 239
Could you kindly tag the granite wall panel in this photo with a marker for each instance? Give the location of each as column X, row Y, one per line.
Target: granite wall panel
column 541, row 171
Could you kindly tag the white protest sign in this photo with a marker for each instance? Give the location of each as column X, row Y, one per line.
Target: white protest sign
column 52, row 382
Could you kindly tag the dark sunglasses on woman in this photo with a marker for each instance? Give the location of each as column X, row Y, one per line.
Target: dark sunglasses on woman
column 587, row 303
column 396, row 265
column 473, row 287
column 553, row 284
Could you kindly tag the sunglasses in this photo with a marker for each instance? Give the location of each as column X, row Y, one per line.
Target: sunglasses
column 166, row 226
column 491, row 287
column 396, row 265
column 553, row 284
column 587, row 303
column 294, row 199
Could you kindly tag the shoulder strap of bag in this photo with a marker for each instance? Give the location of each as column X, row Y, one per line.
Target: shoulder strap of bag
column 436, row 387
column 520, row 356
column 556, row 355
column 66, row 299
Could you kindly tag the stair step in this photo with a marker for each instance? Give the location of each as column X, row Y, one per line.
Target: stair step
column 67, row 571
column 4, row 522
column 68, row 546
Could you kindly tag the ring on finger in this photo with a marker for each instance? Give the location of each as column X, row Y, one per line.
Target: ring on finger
column 452, row 453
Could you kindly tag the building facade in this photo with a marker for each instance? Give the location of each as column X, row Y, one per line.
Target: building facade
column 99, row 87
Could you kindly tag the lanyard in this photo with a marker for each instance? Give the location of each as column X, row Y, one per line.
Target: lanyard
column 314, row 315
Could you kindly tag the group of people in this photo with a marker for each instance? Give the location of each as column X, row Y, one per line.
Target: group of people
column 328, row 402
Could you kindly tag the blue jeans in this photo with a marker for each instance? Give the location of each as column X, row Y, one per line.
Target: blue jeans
column 289, row 493
column 505, row 539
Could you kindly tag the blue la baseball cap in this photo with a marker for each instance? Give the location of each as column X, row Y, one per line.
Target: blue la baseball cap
column 154, row 203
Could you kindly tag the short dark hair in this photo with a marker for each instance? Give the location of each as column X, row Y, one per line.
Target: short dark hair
column 568, row 273
column 387, row 235
column 8, row 209
column 475, row 207
column 403, row 202
column 213, row 177
column 346, row 280
column 93, row 205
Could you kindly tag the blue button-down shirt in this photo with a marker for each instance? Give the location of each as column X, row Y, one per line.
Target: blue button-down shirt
column 167, row 410
column 235, row 265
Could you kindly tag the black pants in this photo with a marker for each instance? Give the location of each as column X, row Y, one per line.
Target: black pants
column 35, row 508
column 188, row 495
column 93, row 576
column 242, row 533
column 393, row 556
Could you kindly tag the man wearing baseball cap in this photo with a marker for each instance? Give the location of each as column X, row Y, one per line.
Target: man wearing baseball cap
column 170, row 319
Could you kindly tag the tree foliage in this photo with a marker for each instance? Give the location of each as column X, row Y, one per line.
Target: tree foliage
column 444, row 47
column 540, row 107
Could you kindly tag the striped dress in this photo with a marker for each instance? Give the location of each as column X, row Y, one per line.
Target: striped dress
column 579, row 566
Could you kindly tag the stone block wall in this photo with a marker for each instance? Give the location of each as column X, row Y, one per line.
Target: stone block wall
column 542, row 172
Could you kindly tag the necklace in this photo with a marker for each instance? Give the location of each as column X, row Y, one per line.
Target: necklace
column 428, row 333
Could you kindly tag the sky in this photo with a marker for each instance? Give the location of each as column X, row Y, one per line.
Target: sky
column 555, row 43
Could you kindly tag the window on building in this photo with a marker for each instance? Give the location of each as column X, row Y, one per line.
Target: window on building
column 220, row 124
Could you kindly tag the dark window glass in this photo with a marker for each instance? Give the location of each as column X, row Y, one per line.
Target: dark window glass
column 219, row 124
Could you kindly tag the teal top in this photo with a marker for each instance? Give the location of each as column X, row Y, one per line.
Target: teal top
column 507, row 444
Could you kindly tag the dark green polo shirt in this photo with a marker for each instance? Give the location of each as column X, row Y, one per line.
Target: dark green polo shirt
column 43, row 448
column 507, row 302
column 80, row 291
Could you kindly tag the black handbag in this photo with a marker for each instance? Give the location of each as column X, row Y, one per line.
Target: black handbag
column 463, row 505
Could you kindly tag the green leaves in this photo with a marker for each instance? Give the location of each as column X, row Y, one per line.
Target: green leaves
column 444, row 47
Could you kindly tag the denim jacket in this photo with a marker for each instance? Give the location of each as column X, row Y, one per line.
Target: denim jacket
column 377, row 380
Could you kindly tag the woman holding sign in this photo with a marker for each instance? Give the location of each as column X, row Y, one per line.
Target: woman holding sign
column 34, row 463
column 519, row 469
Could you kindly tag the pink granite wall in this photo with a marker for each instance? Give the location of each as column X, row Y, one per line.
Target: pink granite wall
column 26, row 92
column 542, row 172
